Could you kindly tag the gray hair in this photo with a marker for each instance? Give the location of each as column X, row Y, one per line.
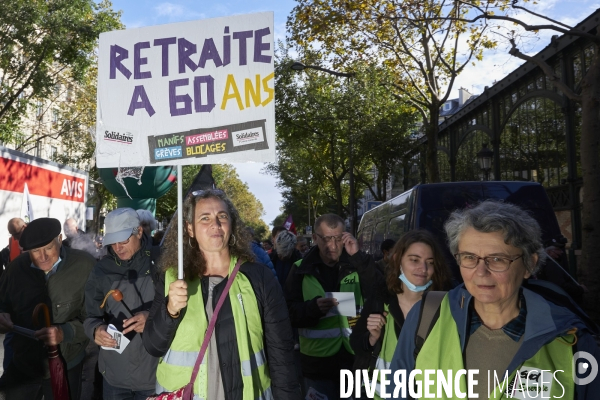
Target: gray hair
column 285, row 243
column 147, row 219
column 519, row 228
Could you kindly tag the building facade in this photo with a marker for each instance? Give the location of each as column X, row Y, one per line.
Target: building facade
column 533, row 129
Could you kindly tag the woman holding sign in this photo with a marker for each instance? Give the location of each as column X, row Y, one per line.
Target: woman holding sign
column 416, row 265
column 250, row 352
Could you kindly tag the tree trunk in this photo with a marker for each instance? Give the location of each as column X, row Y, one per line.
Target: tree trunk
column 384, row 187
column 589, row 271
column 339, row 200
column 431, row 132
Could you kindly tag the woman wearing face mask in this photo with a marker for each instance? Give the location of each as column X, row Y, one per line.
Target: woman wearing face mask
column 416, row 265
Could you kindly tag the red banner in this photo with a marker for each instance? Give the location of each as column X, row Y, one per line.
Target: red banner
column 40, row 181
column 289, row 224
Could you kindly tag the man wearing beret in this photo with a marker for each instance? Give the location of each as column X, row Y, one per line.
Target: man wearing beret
column 54, row 275
column 127, row 267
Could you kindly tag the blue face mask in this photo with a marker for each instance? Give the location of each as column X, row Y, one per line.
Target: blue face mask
column 412, row 287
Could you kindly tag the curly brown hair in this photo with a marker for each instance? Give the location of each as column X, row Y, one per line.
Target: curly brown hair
column 441, row 272
column 194, row 264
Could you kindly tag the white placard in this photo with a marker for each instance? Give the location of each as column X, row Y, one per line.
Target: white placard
column 346, row 306
column 187, row 93
column 122, row 341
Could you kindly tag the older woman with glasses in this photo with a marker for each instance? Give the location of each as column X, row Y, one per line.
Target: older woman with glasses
column 521, row 345
column 250, row 353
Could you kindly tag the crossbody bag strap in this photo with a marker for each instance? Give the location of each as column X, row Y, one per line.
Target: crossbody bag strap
column 429, row 314
column 189, row 389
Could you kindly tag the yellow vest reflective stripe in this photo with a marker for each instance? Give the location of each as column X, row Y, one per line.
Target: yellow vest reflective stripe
column 441, row 351
column 175, row 368
column 388, row 346
column 331, row 333
column 390, row 340
column 182, row 358
column 325, row 333
column 256, row 360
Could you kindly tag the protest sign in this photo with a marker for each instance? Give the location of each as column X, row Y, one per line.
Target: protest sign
column 187, row 93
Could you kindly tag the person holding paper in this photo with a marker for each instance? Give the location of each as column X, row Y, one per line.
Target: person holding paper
column 127, row 267
column 335, row 264
column 416, row 264
column 250, row 352
column 49, row 273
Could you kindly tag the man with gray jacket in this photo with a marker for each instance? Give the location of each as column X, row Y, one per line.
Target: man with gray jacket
column 128, row 268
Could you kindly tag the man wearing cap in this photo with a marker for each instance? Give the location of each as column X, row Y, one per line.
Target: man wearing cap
column 127, row 267
column 48, row 273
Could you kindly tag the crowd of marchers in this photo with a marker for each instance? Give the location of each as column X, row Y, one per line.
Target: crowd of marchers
column 120, row 322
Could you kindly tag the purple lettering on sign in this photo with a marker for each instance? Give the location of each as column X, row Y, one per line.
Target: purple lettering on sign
column 226, row 47
column 259, row 46
column 210, row 93
column 209, row 52
column 165, row 42
column 138, row 61
column 143, row 102
column 185, row 50
column 242, row 36
column 183, row 98
column 118, row 54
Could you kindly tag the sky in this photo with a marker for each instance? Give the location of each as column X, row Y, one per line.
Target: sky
column 496, row 64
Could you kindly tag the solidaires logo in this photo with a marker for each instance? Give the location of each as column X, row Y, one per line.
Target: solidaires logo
column 113, row 136
column 247, row 136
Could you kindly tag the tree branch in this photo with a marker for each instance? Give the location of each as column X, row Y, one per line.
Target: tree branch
column 527, row 27
column 542, row 16
column 515, row 52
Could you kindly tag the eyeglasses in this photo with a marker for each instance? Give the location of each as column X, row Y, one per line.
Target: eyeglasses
column 135, row 230
column 328, row 239
column 492, row 263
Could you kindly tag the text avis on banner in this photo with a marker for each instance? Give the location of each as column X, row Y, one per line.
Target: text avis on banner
column 187, row 93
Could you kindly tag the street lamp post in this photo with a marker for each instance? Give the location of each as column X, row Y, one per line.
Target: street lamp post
column 484, row 158
column 298, row 66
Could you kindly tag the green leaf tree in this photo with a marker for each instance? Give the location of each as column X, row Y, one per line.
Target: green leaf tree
column 321, row 121
column 75, row 129
column 415, row 39
column 41, row 42
column 226, row 178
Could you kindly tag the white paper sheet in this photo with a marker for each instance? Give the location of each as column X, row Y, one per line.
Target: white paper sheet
column 346, row 306
column 122, row 341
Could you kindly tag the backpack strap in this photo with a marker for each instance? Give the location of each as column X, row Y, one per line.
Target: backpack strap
column 428, row 316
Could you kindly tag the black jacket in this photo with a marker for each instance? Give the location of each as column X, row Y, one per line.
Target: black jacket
column 22, row 287
column 305, row 314
column 365, row 354
column 161, row 328
column 134, row 369
column 283, row 267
